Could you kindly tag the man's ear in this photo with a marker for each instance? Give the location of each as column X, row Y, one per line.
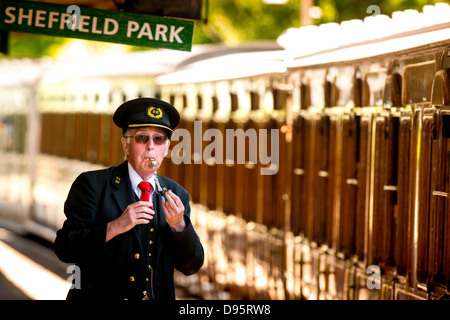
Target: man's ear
column 124, row 145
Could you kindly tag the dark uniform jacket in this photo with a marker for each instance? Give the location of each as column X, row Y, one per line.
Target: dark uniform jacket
column 134, row 264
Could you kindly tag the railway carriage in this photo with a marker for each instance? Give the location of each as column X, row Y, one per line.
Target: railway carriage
column 374, row 115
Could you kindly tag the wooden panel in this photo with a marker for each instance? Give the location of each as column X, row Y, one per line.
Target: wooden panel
column 92, row 136
column 57, row 135
column 415, row 184
column 104, row 139
column 229, row 178
column 322, row 176
column 69, row 136
column 203, row 171
column 299, row 184
column 390, row 189
column 363, row 166
column 378, row 226
column 280, row 177
column 269, row 186
column 81, row 136
column 213, row 182
column 405, row 221
column 46, row 132
column 349, row 185
column 425, row 165
column 310, row 176
column 251, row 184
column 219, row 173
column 334, row 159
column 198, row 180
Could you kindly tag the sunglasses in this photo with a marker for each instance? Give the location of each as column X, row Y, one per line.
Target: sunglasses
column 143, row 138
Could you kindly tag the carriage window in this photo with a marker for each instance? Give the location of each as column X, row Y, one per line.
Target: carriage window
column 317, row 92
column 234, row 102
column 215, row 104
column 357, row 92
column 279, row 98
column 328, row 92
column 393, row 91
column 199, row 102
column 343, row 90
column 305, row 96
column 172, row 99
column 418, row 80
column 374, row 88
column 254, row 100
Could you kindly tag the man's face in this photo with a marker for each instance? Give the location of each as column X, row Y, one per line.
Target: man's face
column 138, row 154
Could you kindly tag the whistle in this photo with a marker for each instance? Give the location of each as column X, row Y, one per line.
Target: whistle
column 153, row 163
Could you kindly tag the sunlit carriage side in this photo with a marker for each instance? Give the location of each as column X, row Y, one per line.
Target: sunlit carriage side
column 387, row 222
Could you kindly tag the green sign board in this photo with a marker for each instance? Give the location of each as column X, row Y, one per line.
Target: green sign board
column 94, row 24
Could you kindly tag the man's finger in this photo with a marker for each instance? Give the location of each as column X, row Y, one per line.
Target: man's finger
column 170, row 201
column 176, row 199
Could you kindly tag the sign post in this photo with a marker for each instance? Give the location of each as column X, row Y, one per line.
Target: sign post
column 95, row 24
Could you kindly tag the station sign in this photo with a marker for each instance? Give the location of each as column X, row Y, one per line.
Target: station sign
column 95, row 24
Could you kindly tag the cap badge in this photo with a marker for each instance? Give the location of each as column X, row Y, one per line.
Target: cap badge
column 155, row 112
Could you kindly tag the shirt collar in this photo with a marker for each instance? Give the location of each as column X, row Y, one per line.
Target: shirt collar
column 135, row 179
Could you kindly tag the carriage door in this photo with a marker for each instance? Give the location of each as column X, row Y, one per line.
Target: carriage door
column 386, row 188
column 438, row 276
column 417, row 94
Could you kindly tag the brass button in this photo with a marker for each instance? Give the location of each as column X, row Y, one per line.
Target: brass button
column 144, row 293
column 131, row 278
column 136, row 256
column 146, row 280
column 149, row 267
column 149, row 254
column 152, row 229
column 150, row 242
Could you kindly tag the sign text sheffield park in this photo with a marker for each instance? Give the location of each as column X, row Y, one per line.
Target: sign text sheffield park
column 94, row 24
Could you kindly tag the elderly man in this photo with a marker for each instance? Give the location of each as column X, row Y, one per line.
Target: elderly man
column 126, row 238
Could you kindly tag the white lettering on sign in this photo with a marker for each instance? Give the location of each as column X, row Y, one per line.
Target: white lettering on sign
column 51, row 18
column 174, row 34
column 160, row 31
column 115, row 27
column 12, row 18
column 145, row 31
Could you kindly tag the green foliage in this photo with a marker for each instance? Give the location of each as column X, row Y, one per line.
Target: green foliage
column 33, row 46
column 235, row 21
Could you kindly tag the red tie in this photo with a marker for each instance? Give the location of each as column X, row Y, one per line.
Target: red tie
column 145, row 187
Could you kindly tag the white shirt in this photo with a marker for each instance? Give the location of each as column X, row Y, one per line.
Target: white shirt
column 135, row 179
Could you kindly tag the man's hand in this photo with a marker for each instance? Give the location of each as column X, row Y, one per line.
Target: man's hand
column 174, row 210
column 140, row 212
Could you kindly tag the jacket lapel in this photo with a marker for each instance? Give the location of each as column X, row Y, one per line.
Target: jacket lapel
column 163, row 225
column 124, row 194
